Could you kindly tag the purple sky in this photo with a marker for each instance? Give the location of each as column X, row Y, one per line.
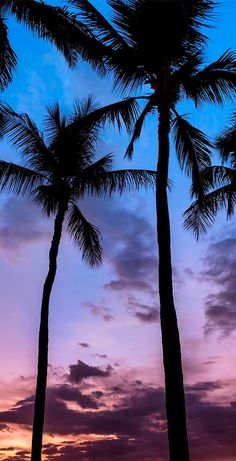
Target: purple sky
column 105, row 391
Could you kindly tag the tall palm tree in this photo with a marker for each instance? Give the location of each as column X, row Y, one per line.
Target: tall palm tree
column 53, row 23
column 59, row 170
column 220, row 185
column 162, row 43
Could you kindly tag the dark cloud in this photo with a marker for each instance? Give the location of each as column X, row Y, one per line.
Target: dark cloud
column 50, row 449
column 21, row 223
column 101, row 356
column 21, row 413
column 205, row 386
column 130, row 249
column 3, row 427
column 71, row 394
column 81, row 371
column 99, row 310
column 144, row 312
column 134, row 428
column 148, row 317
column 7, row 449
column 98, row 394
column 220, row 272
column 21, row 455
column 123, row 448
column 85, row 345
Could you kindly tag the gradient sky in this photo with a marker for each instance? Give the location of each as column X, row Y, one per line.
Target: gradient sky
column 105, row 389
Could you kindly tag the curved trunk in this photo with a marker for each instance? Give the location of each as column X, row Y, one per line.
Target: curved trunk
column 40, row 395
column 175, row 401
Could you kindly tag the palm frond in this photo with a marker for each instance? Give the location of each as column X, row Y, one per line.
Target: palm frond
column 226, row 143
column 128, row 75
column 24, row 135
column 216, row 82
column 7, row 57
column 121, row 112
column 80, row 137
column 103, row 164
column 83, row 107
column 49, row 22
column 85, row 235
column 182, row 76
column 75, row 147
column 193, row 152
column 18, row 179
column 117, row 181
column 96, row 22
column 145, row 22
column 46, row 195
column 122, row 16
column 217, row 176
column 138, row 128
column 89, row 175
column 54, row 122
column 200, row 216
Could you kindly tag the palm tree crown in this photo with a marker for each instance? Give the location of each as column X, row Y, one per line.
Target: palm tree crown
column 60, row 167
column 162, row 43
column 59, row 170
column 220, row 185
column 146, row 34
column 53, row 23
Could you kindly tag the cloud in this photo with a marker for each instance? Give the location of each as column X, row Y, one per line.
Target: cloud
column 148, row 317
column 22, row 455
column 205, row 386
column 130, row 253
column 123, row 419
column 82, row 371
column 101, row 356
column 99, row 310
column 84, row 345
column 220, row 271
column 21, row 224
column 144, row 312
column 133, row 259
column 71, row 394
column 129, row 241
column 132, row 426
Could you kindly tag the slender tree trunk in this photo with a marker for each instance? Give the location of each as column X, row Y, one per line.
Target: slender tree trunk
column 175, row 401
column 40, row 395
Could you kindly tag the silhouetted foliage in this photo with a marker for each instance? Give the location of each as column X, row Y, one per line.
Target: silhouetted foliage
column 59, row 170
column 162, row 43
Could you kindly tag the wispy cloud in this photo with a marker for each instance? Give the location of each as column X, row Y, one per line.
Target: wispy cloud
column 21, row 224
column 220, row 272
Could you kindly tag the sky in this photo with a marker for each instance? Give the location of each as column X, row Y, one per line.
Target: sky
column 105, row 392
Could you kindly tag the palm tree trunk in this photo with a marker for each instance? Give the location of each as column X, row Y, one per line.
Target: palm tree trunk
column 40, row 395
column 175, row 401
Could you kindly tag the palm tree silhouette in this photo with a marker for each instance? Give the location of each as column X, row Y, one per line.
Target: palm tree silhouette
column 162, row 43
column 58, row 171
column 55, row 24
column 220, row 185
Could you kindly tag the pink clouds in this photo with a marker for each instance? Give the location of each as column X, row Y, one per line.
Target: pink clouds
column 81, row 371
column 125, row 421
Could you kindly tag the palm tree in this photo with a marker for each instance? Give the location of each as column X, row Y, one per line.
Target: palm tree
column 220, row 185
column 52, row 23
column 162, row 43
column 58, row 171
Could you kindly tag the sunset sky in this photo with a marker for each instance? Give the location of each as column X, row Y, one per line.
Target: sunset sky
column 105, row 393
